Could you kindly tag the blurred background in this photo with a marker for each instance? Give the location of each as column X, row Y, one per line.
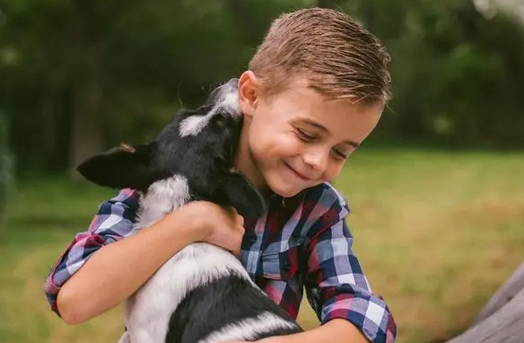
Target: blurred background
column 437, row 192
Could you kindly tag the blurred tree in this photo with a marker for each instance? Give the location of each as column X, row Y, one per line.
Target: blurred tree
column 491, row 7
column 77, row 76
column 457, row 76
column 5, row 165
column 101, row 72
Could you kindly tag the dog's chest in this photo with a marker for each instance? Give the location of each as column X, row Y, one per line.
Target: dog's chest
column 149, row 310
column 162, row 197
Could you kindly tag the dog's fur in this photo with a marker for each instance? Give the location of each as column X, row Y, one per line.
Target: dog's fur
column 202, row 294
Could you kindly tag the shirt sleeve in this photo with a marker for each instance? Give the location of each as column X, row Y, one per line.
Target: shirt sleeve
column 335, row 283
column 113, row 221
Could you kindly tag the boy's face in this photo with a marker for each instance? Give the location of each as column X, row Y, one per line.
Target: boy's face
column 297, row 139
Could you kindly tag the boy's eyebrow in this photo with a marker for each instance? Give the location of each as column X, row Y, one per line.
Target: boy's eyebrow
column 322, row 128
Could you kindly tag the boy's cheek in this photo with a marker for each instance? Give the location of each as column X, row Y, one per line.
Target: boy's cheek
column 333, row 173
column 247, row 110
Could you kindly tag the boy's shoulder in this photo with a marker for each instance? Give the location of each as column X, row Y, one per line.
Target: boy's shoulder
column 325, row 198
column 316, row 210
column 327, row 194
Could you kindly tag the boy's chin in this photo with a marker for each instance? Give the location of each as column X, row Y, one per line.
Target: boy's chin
column 283, row 189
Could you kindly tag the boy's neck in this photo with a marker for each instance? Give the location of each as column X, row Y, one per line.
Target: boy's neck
column 245, row 163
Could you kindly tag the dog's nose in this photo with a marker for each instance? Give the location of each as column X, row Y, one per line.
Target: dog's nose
column 219, row 92
column 233, row 83
column 226, row 88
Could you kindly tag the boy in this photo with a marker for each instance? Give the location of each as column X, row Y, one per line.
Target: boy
column 314, row 91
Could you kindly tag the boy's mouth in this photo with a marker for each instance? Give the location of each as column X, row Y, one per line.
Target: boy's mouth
column 297, row 174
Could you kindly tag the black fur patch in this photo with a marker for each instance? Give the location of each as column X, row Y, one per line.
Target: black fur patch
column 205, row 159
column 210, row 307
column 122, row 167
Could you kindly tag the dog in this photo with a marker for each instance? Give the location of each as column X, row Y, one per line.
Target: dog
column 202, row 294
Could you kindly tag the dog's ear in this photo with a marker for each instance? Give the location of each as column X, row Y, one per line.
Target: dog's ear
column 121, row 167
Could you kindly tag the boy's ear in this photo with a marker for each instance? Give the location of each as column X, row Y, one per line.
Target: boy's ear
column 248, row 93
column 121, row 167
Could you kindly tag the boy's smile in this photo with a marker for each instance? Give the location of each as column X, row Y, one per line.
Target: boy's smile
column 297, row 139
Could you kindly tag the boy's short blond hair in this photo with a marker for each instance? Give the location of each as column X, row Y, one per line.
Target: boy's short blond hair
column 339, row 58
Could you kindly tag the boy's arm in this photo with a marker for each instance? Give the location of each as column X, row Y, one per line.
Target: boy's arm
column 93, row 276
column 113, row 221
column 337, row 289
column 336, row 285
column 335, row 331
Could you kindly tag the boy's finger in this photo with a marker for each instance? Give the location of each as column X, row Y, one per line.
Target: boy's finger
column 239, row 220
column 231, row 210
column 236, row 251
column 241, row 229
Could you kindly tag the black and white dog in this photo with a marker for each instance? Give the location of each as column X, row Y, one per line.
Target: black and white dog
column 203, row 294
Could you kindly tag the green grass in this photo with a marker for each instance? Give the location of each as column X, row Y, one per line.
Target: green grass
column 437, row 233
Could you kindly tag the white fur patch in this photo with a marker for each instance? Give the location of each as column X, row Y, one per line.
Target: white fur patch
column 162, row 197
column 149, row 311
column 193, row 125
column 125, row 338
column 227, row 100
column 249, row 328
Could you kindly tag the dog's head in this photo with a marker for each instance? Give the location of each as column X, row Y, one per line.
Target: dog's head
column 204, row 138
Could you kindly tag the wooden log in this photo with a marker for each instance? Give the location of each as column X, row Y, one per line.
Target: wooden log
column 505, row 294
column 504, row 326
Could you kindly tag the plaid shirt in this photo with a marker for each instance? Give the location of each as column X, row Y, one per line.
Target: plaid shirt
column 302, row 242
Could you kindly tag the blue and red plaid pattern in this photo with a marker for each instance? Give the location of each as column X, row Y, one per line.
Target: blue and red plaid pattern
column 302, row 242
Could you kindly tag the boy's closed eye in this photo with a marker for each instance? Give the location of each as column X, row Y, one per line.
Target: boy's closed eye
column 309, row 137
column 305, row 136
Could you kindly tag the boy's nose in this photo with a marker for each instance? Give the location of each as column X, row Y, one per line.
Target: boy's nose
column 316, row 159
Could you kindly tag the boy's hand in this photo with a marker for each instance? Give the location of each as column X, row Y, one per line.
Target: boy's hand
column 219, row 226
column 275, row 339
